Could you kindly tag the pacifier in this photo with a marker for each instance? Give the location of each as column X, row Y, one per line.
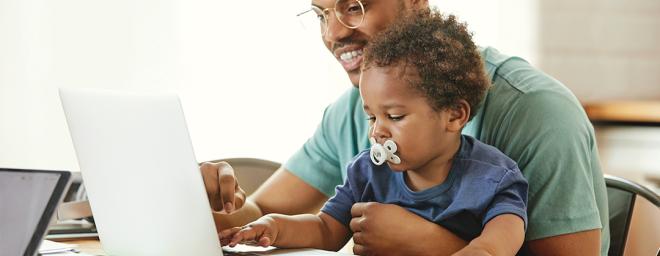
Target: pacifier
column 383, row 152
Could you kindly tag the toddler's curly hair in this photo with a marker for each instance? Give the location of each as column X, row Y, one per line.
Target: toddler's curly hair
column 442, row 52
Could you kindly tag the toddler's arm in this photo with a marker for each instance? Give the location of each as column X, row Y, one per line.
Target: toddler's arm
column 502, row 235
column 319, row 231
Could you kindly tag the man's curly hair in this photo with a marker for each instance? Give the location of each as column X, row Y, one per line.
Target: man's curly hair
column 442, row 52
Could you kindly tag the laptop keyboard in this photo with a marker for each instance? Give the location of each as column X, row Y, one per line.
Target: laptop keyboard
column 230, row 253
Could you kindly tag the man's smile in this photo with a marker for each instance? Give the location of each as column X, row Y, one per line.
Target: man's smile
column 349, row 57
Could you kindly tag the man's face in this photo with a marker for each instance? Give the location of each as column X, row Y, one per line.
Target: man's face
column 346, row 44
column 400, row 113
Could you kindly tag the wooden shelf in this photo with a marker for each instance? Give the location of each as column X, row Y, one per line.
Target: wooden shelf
column 638, row 112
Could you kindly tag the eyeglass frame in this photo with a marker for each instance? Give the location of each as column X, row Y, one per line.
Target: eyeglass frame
column 327, row 10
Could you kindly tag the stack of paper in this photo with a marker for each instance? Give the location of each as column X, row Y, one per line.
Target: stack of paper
column 48, row 247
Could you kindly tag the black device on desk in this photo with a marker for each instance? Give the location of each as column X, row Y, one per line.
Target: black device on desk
column 28, row 201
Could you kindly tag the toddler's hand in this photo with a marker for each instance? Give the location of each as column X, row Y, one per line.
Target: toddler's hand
column 262, row 231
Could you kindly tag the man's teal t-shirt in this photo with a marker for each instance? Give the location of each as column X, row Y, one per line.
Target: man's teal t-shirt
column 528, row 115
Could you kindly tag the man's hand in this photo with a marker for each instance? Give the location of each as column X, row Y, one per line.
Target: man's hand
column 222, row 187
column 387, row 229
column 283, row 192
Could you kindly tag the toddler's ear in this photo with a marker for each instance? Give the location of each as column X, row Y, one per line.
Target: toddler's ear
column 458, row 116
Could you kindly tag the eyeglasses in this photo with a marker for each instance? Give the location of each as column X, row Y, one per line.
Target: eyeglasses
column 350, row 13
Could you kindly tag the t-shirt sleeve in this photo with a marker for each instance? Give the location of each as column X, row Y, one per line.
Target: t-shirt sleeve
column 556, row 160
column 317, row 162
column 510, row 197
column 339, row 206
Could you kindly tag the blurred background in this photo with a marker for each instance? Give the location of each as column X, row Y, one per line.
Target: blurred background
column 254, row 83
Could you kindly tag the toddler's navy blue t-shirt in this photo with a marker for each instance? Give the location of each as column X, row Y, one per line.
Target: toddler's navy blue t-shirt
column 482, row 184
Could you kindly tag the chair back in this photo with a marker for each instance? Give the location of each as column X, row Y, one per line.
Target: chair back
column 251, row 172
column 621, row 195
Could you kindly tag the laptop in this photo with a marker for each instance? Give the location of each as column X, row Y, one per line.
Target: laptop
column 28, row 201
column 143, row 183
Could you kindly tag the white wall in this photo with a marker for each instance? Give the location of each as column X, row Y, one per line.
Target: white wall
column 239, row 66
column 508, row 25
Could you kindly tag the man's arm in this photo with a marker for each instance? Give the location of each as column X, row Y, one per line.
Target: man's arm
column 282, row 193
column 580, row 243
column 287, row 194
column 377, row 233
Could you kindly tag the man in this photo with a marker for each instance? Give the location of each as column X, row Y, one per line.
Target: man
column 526, row 114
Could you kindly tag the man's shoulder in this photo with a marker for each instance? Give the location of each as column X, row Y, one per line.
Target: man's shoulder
column 514, row 75
column 519, row 89
column 526, row 111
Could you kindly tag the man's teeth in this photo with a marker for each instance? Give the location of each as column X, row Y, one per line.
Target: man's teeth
column 348, row 56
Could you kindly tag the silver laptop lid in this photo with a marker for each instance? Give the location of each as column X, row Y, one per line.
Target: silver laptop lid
column 142, row 179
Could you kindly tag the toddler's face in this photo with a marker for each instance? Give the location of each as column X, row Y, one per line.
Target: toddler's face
column 397, row 111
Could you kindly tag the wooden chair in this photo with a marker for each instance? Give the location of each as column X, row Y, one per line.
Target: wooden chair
column 251, row 172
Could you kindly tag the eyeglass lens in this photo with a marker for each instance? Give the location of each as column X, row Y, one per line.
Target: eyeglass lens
column 350, row 13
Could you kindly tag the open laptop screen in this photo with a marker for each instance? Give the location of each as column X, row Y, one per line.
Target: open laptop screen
column 28, row 200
